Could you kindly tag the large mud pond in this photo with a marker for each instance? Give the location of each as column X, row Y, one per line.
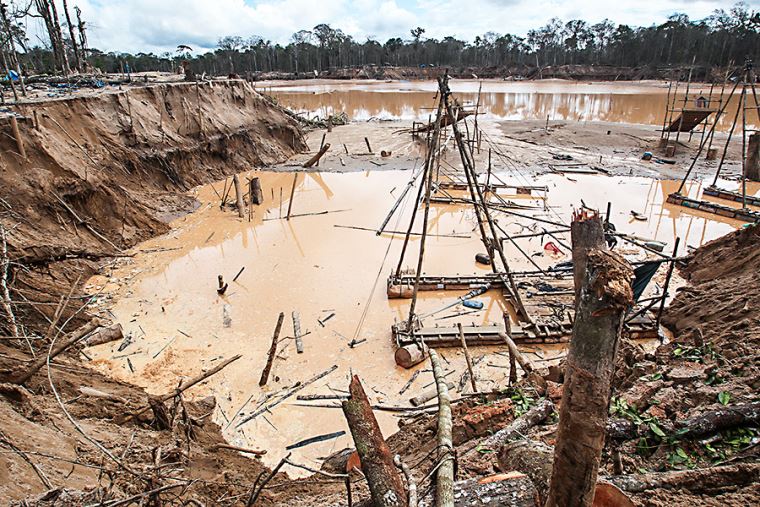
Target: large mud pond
column 635, row 102
column 166, row 298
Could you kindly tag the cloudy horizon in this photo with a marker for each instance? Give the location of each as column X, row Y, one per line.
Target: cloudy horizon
column 146, row 26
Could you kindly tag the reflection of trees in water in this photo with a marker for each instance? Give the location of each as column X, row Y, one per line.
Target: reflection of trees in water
column 641, row 108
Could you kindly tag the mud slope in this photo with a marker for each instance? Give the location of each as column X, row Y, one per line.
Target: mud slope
column 107, row 171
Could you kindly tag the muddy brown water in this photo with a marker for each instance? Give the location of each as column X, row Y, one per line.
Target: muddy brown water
column 623, row 102
column 166, row 298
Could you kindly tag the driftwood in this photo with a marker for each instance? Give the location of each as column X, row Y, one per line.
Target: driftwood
column 385, row 485
column 315, row 159
column 105, row 335
column 602, row 297
column 444, row 485
column 272, row 351
column 41, row 360
column 186, row 385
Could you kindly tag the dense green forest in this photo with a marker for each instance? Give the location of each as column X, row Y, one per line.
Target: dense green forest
column 721, row 39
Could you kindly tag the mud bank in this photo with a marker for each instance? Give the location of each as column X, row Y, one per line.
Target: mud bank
column 105, row 172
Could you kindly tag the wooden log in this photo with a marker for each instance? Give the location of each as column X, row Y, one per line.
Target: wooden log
column 535, row 415
column 427, row 395
column 701, row 480
column 257, row 195
column 532, row 458
column 105, row 335
column 238, row 196
column 272, row 351
column 512, row 488
column 297, row 332
column 17, row 137
column 444, row 486
column 525, row 364
column 385, row 485
column 752, row 170
column 61, row 346
column 410, row 355
column 313, row 160
column 246, row 450
column 603, row 295
column 467, row 357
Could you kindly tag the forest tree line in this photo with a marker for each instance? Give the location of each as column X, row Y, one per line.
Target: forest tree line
column 726, row 37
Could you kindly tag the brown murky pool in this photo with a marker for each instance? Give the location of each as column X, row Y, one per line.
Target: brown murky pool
column 623, row 102
column 318, row 265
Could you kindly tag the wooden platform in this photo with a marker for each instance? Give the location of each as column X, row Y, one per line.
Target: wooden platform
column 688, row 120
column 744, row 215
column 731, row 196
column 401, row 286
column 519, row 189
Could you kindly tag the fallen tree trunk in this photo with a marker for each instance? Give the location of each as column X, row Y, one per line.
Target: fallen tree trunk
column 105, row 335
column 385, row 483
column 532, row 458
column 701, row 480
column 444, row 485
column 41, row 360
column 514, row 489
column 603, row 293
column 313, row 160
column 517, row 428
column 706, row 423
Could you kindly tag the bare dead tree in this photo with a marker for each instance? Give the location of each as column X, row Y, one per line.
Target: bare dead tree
column 74, row 45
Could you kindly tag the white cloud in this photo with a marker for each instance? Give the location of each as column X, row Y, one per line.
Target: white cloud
column 157, row 26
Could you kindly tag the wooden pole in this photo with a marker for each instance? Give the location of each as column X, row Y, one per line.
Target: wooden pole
column 671, row 265
column 603, row 296
column 444, row 486
column 238, row 196
column 321, row 145
column 272, row 351
column 366, row 140
column 385, row 485
column 292, row 194
column 297, row 332
column 257, row 195
column 467, row 357
column 17, row 137
column 315, row 159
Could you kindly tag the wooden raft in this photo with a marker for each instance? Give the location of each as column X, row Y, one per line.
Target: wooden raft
column 745, row 215
column 731, row 196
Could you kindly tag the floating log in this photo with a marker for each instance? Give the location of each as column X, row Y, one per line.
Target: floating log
column 272, row 351
column 315, row 159
column 385, row 485
column 603, row 294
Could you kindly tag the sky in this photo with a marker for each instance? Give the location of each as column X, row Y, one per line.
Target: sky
column 160, row 25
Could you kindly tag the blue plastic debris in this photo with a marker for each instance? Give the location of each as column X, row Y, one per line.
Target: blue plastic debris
column 473, row 303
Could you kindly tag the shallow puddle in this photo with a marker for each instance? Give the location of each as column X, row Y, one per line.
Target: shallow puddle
column 636, row 103
column 318, row 265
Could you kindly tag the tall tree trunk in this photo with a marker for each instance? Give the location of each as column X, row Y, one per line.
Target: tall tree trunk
column 602, row 298
column 59, row 36
column 74, row 45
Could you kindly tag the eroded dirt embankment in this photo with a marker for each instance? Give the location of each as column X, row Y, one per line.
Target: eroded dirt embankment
column 101, row 174
column 105, row 172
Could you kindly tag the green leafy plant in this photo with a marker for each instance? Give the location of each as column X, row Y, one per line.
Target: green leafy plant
column 724, row 397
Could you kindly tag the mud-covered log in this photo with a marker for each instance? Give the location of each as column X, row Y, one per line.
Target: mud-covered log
column 701, row 480
column 385, row 484
column 410, row 355
column 257, row 195
column 61, row 346
column 603, row 294
column 520, row 426
column 105, row 335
